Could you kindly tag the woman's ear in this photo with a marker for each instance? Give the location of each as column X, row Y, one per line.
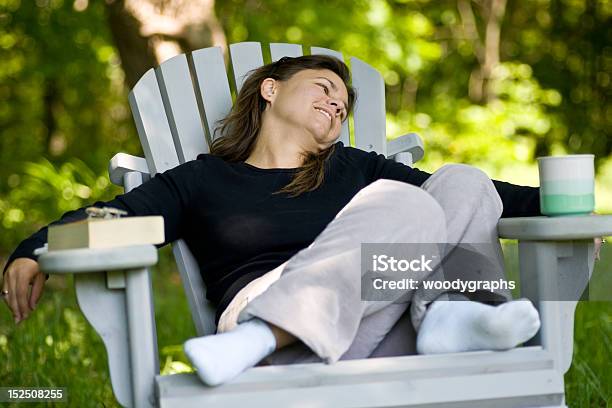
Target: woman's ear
column 268, row 89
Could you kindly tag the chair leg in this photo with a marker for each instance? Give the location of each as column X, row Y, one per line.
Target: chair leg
column 105, row 310
column 143, row 336
column 554, row 276
column 120, row 309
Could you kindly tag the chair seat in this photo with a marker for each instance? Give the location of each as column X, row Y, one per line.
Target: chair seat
column 515, row 378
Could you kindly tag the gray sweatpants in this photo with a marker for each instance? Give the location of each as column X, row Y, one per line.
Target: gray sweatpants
column 318, row 295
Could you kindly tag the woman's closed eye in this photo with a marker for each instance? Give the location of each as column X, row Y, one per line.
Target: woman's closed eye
column 326, row 88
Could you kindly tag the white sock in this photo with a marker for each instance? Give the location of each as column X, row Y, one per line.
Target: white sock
column 455, row 326
column 220, row 357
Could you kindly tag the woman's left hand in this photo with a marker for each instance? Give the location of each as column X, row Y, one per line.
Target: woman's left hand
column 598, row 241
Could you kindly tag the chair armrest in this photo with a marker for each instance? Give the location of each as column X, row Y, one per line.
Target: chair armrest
column 555, row 228
column 411, row 143
column 122, row 163
column 556, row 263
column 95, row 260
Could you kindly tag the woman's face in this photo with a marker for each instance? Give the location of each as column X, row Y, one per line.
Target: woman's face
column 313, row 102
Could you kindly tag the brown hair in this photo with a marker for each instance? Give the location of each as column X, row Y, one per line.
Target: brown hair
column 239, row 129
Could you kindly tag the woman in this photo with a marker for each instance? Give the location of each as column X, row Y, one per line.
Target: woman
column 277, row 195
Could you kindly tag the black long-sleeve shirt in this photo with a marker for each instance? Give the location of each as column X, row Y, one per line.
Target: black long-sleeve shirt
column 237, row 230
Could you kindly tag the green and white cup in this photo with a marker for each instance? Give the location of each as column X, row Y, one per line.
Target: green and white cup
column 567, row 184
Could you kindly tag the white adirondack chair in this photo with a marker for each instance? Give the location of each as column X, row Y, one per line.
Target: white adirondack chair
column 175, row 107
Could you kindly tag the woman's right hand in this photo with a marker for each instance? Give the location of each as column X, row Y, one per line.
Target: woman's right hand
column 22, row 273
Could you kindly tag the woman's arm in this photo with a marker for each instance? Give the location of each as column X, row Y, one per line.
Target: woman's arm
column 518, row 201
column 168, row 194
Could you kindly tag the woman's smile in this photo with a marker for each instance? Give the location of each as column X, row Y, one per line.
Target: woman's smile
column 324, row 113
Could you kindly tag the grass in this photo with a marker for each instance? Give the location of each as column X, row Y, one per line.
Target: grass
column 56, row 347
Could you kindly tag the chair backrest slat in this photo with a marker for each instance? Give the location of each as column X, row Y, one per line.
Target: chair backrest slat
column 326, row 51
column 245, row 56
column 152, row 124
column 202, row 310
column 344, row 133
column 211, row 77
column 154, row 130
column 279, row 50
column 182, row 108
column 369, row 117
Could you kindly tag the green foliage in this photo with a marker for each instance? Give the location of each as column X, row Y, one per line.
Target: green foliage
column 44, row 191
column 488, row 136
column 62, row 93
column 548, row 98
column 566, row 43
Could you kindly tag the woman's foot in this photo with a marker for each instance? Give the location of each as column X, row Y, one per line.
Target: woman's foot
column 455, row 326
column 221, row 357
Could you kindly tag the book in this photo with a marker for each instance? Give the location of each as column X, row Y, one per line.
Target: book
column 106, row 233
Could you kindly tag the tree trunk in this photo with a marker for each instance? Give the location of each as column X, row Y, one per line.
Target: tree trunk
column 148, row 32
column 486, row 49
column 135, row 51
column 496, row 11
column 50, row 99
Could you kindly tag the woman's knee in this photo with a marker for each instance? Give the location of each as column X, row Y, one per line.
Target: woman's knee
column 472, row 181
column 464, row 172
column 407, row 202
